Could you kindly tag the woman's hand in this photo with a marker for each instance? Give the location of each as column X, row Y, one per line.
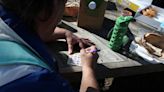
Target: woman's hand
column 61, row 33
column 88, row 57
column 73, row 39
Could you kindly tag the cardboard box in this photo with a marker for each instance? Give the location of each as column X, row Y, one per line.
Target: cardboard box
column 134, row 5
column 91, row 20
column 154, row 21
column 139, row 5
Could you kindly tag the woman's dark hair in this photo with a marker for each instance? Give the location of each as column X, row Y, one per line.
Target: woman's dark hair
column 28, row 10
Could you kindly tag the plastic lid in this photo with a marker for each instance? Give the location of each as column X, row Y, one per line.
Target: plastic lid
column 92, row 5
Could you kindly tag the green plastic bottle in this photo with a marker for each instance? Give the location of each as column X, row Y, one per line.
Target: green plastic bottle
column 118, row 37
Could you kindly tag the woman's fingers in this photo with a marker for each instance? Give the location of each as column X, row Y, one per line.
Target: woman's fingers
column 87, row 42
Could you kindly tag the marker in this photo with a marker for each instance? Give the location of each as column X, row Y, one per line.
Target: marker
column 95, row 50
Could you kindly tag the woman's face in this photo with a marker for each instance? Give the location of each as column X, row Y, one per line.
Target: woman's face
column 50, row 24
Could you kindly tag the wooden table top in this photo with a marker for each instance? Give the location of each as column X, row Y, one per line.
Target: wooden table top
column 111, row 64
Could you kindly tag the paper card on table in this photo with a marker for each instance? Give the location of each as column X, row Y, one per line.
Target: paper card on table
column 74, row 59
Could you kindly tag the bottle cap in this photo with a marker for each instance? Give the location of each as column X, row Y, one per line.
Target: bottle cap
column 92, row 5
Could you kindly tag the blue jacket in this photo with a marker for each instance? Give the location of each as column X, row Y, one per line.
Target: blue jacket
column 47, row 79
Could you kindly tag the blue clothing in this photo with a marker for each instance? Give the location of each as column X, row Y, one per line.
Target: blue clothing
column 14, row 53
column 30, row 37
column 43, row 81
column 40, row 81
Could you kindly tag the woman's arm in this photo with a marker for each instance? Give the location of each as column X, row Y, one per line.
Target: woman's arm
column 61, row 33
column 88, row 59
column 88, row 82
column 58, row 33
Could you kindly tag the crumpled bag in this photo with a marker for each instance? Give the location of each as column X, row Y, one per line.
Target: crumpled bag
column 154, row 43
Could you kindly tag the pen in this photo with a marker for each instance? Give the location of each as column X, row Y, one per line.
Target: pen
column 95, row 50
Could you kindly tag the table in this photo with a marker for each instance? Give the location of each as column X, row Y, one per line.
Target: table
column 118, row 66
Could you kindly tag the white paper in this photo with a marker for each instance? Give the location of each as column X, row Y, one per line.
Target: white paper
column 74, row 59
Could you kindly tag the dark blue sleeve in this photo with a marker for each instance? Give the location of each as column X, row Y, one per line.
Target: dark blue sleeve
column 43, row 81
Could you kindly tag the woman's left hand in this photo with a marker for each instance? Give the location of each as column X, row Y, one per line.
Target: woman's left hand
column 73, row 39
column 60, row 33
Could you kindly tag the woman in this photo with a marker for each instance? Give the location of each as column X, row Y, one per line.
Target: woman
column 25, row 65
